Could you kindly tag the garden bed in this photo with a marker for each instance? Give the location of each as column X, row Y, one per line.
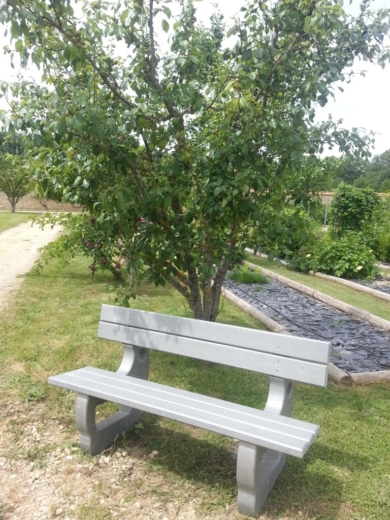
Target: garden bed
column 356, row 346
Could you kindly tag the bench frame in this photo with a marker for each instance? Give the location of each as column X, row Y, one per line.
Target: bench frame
column 257, row 466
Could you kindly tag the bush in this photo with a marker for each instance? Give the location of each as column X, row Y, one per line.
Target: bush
column 245, row 275
column 84, row 235
column 347, row 257
column 351, row 209
column 301, row 262
column 377, row 232
column 289, row 229
column 383, row 251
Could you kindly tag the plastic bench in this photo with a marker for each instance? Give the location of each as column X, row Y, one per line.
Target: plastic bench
column 265, row 437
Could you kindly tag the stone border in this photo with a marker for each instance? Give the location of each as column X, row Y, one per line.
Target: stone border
column 341, row 281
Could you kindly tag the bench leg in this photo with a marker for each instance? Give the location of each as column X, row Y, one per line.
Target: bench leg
column 257, row 470
column 257, row 467
column 94, row 438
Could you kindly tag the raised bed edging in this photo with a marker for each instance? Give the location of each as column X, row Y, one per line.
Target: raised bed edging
column 329, row 300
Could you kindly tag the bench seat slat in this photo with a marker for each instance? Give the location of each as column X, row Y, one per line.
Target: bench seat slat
column 270, row 364
column 283, row 434
column 283, row 345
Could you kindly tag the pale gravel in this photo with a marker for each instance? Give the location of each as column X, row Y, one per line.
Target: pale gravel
column 18, row 252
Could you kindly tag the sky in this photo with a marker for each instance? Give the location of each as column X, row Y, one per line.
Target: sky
column 365, row 102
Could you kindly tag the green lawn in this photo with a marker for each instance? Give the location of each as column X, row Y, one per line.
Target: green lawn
column 9, row 220
column 51, row 326
column 369, row 303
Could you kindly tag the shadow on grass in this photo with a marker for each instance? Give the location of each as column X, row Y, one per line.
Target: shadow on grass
column 340, row 458
column 304, row 485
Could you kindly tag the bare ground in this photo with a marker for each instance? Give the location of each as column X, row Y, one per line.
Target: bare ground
column 43, row 475
column 18, row 252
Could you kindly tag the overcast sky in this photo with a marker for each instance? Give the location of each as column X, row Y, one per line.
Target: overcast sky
column 364, row 103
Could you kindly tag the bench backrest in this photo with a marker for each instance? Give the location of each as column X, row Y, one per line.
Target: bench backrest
column 289, row 357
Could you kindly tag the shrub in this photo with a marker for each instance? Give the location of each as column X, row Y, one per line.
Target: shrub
column 383, row 251
column 301, row 262
column 347, row 257
column 377, row 232
column 289, row 229
column 85, row 235
column 351, row 209
column 245, row 275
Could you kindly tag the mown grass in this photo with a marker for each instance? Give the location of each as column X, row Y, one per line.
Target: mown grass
column 9, row 220
column 51, row 327
column 369, row 303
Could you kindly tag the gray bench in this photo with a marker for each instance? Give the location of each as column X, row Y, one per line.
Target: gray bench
column 265, row 437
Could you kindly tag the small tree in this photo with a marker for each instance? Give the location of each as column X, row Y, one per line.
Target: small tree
column 180, row 149
column 351, row 209
column 14, row 178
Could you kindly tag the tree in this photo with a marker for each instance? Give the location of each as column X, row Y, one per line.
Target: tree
column 351, row 209
column 350, row 169
column 377, row 174
column 177, row 150
column 14, row 178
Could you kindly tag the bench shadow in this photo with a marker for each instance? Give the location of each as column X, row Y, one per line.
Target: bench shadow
column 310, row 484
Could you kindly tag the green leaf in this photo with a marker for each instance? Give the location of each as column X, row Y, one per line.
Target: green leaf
column 165, row 25
column 123, row 17
column 247, row 55
column 19, row 46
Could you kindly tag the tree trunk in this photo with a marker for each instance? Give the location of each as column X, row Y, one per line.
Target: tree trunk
column 13, row 207
column 206, row 306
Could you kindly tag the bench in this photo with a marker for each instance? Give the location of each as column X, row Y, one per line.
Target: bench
column 265, row 437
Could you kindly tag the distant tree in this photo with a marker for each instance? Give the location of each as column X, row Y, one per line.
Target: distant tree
column 377, row 175
column 14, row 178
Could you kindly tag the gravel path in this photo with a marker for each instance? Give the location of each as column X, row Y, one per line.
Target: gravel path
column 18, row 252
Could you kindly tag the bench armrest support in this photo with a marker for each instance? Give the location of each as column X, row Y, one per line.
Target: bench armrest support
column 135, row 362
column 257, row 467
column 280, row 397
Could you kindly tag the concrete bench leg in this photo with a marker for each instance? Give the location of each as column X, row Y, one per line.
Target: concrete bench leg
column 257, row 471
column 95, row 437
column 257, row 467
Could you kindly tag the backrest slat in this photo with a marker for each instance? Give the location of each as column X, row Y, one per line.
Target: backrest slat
column 283, row 345
column 257, row 361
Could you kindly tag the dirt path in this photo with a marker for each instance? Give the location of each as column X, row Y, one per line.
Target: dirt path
column 18, row 252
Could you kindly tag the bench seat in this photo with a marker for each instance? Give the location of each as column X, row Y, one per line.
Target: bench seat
column 280, row 433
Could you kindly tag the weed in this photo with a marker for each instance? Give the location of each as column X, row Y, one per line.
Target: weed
column 245, row 275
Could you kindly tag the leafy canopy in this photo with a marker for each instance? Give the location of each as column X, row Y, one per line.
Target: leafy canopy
column 145, row 113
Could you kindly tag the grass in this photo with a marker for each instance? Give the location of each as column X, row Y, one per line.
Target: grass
column 366, row 302
column 244, row 275
column 9, row 220
column 51, row 327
